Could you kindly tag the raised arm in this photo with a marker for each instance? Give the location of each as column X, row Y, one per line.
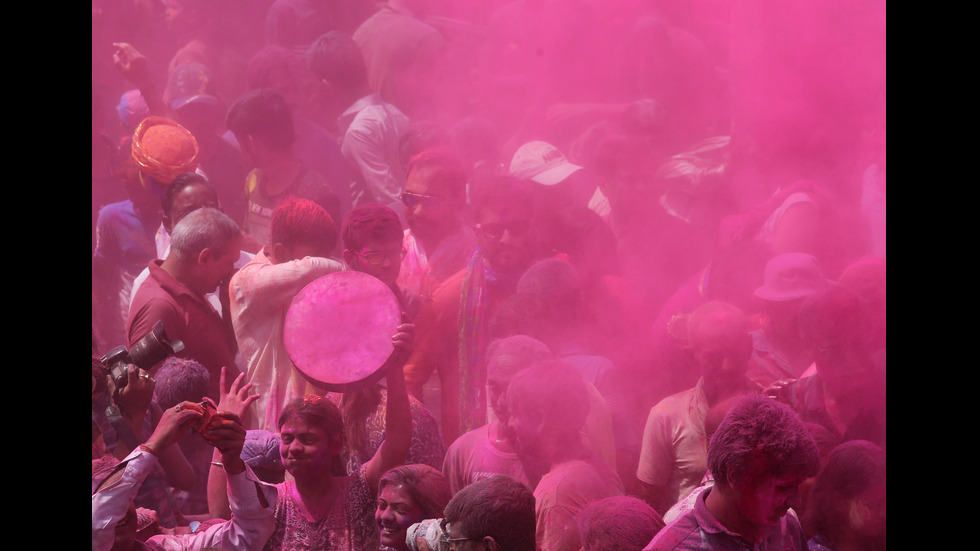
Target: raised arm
column 398, row 414
column 113, row 499
column 132, row 65
column 134, row 402
column 251, row 502
column 235, row 399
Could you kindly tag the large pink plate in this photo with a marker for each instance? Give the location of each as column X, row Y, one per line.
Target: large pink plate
column 338, row 329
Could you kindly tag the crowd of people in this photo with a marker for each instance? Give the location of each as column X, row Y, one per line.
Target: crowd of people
column 638, row 310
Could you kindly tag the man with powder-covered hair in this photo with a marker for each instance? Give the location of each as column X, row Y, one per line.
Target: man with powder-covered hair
column 302, row 237
column 759, row 456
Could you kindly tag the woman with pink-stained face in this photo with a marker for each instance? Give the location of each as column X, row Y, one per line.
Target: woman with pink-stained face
column 406, row 495
column 320, row 505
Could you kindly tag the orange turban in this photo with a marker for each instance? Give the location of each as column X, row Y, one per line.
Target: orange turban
column 164, row 149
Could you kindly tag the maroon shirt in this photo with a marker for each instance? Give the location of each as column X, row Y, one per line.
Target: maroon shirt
column 187, row 317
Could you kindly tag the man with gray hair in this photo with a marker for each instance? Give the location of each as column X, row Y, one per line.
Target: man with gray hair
column 204, row 246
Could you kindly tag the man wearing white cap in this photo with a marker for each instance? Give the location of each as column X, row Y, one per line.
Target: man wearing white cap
column 562, row 183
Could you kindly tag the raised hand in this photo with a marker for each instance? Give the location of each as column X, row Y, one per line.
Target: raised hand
column 226, row 433
column 130, row 63
column 404, row 342
column 174, row 423
column 235, row 397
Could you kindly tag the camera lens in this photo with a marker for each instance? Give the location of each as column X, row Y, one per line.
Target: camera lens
column 154, row 347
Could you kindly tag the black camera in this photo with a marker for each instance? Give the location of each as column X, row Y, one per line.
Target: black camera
column 149, row 351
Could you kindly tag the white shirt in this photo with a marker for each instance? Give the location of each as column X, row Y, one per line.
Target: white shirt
column 250, row 526
column 372, row 132
column 260, row 294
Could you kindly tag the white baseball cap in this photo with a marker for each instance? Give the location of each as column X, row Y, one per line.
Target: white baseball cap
column 541, row 162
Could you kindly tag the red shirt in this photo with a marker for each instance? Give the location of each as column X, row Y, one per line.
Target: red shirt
column 187, row 317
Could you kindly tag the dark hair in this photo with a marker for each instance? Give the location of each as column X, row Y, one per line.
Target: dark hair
column 617, row 150
column 476, row 139
column 499, row 507
column 514, row 316
column 178, row 380
column 321, row 412
column 263, row 64
column 427, row 487
column 618, row 523
column 420, row 136
column 735, row 271
column 355, row 407
column 836, row 310
column 517, row 350
column 825, row 439
column 299, row 221
column 710, row 312
column 761, row 437
column 557, row 285
column 558, row 391
column 316, row 410
column 500, row 193
column 448, row 173
column 851, row 469
column 584, row 236
column 371, row 221
column 336, row 58
column 264, row 114
column 180, row 183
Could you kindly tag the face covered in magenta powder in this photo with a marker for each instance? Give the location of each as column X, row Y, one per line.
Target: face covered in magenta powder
column 305, row 448
column 765, row 500
column 395, row 513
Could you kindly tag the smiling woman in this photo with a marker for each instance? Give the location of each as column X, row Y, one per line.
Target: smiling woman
column 321, row 506
column 408, row 494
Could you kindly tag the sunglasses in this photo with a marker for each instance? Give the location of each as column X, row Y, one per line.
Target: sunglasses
column 411, row 200
column 377, row 258
column 496, row 230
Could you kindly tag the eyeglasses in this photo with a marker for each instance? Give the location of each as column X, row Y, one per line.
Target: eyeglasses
column 377, row 258
column 443, row 527
column 496, row 230
column 411, row 200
